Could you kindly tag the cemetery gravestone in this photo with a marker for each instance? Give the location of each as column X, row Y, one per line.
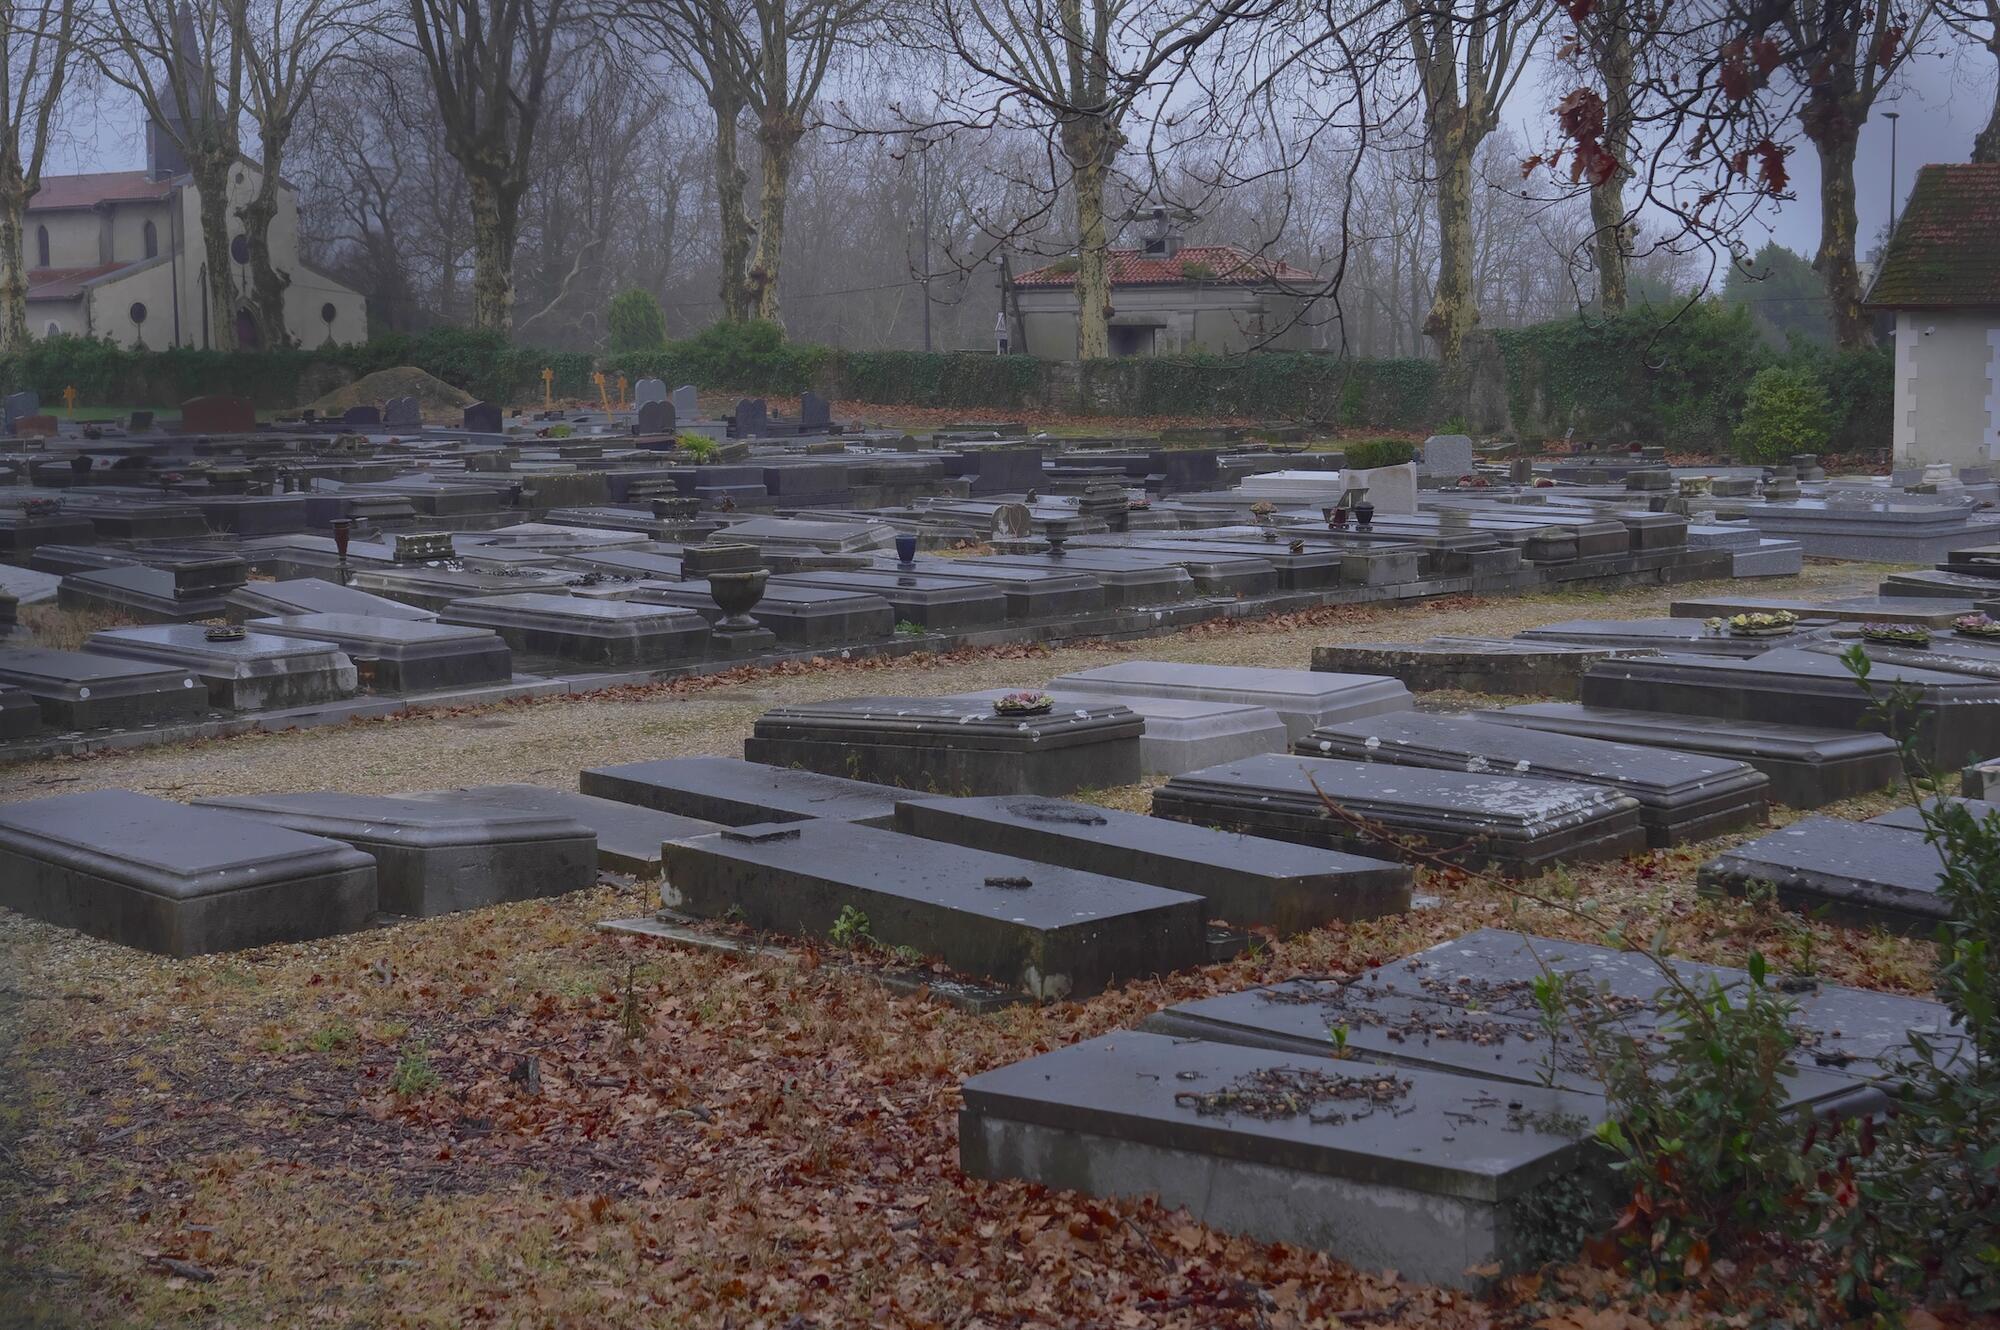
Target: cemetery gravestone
column 1855, row 872
column 1448, row 456
column 361, row 417
column 686, row 403
column 79, row 690
column 736, row 793
column 254, row 672
column 815, row 413
column 628, row 836
column 218, row 415
column 752, row 418
column 482, row 418
column 653, row 417
column 16, row 407
column 402, row 413
column 1304, row 699
column 648, row 390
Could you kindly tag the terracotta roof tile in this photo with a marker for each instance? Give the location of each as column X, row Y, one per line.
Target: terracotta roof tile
column 87, row 191
column 1224, row 264
column 64, row 283
column 1946, row 250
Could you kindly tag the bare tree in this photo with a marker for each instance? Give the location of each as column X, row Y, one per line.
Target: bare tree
column 183, row 63
column 286, row 45
column 37, row 39
column 1980, row 21
column 489, row 64
column 1609, row 39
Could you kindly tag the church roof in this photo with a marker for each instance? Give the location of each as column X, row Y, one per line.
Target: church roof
column 1943, row 253
column 1225, row 265
column 88, row 191
column 65, row 283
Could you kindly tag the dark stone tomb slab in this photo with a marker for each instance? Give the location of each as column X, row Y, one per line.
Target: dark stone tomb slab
column 255, row 672
column 1053, row 592
column 944, row 746
column 1304, row 699
column 138, row 592
column 1682, row 796
column 797, row 615
column 1052, row 932
column 361, row 417
column 1246, row 880
column 1434, row 1174
column 653, row 418
column 1632, row 636
column 752, row 419
column 815, row 413
column 1513, row 825
column 628, row 836
column 434, row 856
column 19, row 716
column 1912, row 818
column 311, row 595
column 1956, row 718
column 435, row 588
column 1855, row 872
column 1468, row 664
column 593, row 632
column 935, row 604
column 482, row 418
column 403, row 655
column 218, row 415
column 735, row 793
column 79, row 690
column 1852, row 609
column 1128, row 579
column 1808, row 767
column 181, row 881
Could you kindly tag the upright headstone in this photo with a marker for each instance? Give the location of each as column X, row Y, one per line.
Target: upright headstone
column 687, row 405
column 402, row 413
column 751, row 418
column 218, row 415
column 648, row 390
column 139, row 422
column 483, row 418
column 654, row 416
column 1012, row 521
column 17, row 406
column 1448, row 455
column 815, row 413
column 361, row 417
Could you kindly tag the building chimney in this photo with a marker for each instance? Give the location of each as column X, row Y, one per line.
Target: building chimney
column 1162, row 241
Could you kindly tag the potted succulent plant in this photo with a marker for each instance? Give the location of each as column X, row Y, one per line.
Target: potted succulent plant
column 1775, row 623
column 1976, row 625
column 1896, row 634
column 1024, row 704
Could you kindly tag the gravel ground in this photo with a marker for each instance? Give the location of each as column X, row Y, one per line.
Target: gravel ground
column 547, row 743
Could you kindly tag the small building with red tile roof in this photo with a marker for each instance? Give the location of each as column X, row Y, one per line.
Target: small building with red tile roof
column 1940, row 277
column 1168, row 298
column 119, row 255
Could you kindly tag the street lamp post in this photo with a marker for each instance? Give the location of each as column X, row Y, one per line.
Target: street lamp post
column 1892, row 117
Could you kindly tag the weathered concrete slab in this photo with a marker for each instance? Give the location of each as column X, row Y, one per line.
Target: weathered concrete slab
column 182, row 881
column 1181, row 735
column 1682, row 796
column 1054, row 932
column 1467, row 664
column 735, row 793
column 1850, row 609
column 948, row 746
column 1304, row 699
column 433, row 855
column 1912, row 818
column 1854, row 872
column 1677, row 636
column 1809, row 767
column 628, row 836
column 80, row 690
column 1246, row 880
column 310, row 595
column 255, row 672
column 1513, row 825
column 403, row 655
column 607, row 633
column 1433, row 1174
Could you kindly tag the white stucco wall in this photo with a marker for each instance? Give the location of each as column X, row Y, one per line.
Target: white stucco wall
column 1218, row 320
column 1947, row 401
column 111, row 300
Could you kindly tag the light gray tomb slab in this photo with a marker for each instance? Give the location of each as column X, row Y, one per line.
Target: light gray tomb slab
column 1514, row 825
column 403, row 655
column 1181, row 735
column 1246, row 880
column 628, row 836
column 434, row 856
column 255, row 672
column 1303, row 699
column 1438, row 1181
column 1855, row 872
column 735, row 793
column 946, row 746
column 82, row 690
column 1052, row 932
column 181, row 881
column 1682, row 796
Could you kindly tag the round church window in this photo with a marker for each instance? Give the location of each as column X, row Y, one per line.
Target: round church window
column 138, row 311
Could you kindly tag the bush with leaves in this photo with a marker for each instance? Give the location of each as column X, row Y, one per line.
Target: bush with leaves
column 636, row 322
column 1365, row 454
column 1785, row 412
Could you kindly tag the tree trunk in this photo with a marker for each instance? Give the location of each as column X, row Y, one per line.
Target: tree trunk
column 1835, row 264
column 494, row 217
column 780, row 143
column 267, row 284
column 211, row 182
column 729, row 183
column 1088, row 144
column 1986, row 146
column 1453, row 312
column 13, row 266
column 1615, row 61
column 1607, row 216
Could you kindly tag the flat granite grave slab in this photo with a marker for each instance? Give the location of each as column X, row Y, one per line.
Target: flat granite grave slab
column 403, row 655
column 1634, row 636
column 1436, row 1175
column 1809, row 767
column 310, row 595
column 19, row 716
column 591, row 632
column 1129, row 579
column 628, row 836
column 434, row 855
column 798, row 616
column 1303, row 699
column 942, row 745
column 1912, row 818
column 82, row 690
column 1855, row 872
column 1513, row 825
column 935, row 604
column 1682, row 796
column 1955, row 717
column 1467, row 664
column 735, row 793
column 1247, row 880
column 164, row 877
column 137, row 592
column 256, row 672
column 1851, row 609
column 1180, row 735
column 1053, row 932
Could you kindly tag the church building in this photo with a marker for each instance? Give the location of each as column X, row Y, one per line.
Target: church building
column 119, row 255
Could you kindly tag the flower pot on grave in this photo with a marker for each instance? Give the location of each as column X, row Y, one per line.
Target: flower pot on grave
column 735, row 593
column 906, row 548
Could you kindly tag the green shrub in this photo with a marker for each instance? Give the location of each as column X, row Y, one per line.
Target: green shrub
column 699, row 447
column 1784, row 412
column 636, row 322
column 1366, row 453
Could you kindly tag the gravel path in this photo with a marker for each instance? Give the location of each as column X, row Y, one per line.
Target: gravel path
column 547, row 743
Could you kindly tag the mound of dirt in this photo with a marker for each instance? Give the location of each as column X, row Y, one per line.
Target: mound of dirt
column 434, row 396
